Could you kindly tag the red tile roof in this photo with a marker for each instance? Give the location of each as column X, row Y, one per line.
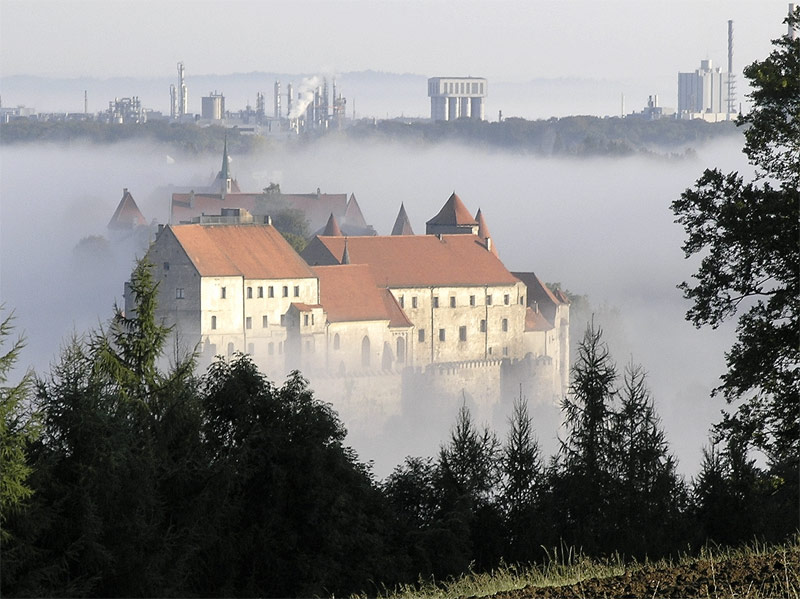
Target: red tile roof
column 416, row 260
column 535, row 321
column 127, row 215
column 252, row 251
column 453, row 213
column 349, row 292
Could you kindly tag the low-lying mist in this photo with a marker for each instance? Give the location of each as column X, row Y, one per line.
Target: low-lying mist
column 600, row 227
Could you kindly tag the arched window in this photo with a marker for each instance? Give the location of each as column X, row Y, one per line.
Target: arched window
column 388, row 358
column 336, row 341
column 213, row 322
column 365, row 352
column 401, row 350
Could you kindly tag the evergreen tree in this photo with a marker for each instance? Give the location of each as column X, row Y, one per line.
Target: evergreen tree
column 18, row 430
column 650, row 494
column 585, row 478
column 522, row 485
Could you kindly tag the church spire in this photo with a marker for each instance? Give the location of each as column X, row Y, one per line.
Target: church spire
column 224, row 173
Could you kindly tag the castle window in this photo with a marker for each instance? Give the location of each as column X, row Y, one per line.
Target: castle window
column 297, row 290
column 224, row 293
column 271, row 291
column 312, row 319
column 260, row 292
column 179, row 293
column 436, row 302
column 365, row 352
column 506, row 299
column 505, row 325
column 336, row 341
column 490, row 351
column 264, row 321
column 505, row 351
column 402, row 301
column 414, row 302
column 452, row 301
column 283, row 320
column 521, row 300
column 421, row 335
column 248, row 322
column 488, row 300
column 230, row 349
column 305, row 319
column 285, row 291
column 483, row 326
column 213, row 322
column 471, row 300
column 249, row 293
column 441, row 334
column 462, row 333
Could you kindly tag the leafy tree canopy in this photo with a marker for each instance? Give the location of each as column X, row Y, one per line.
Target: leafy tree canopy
column 747, row 235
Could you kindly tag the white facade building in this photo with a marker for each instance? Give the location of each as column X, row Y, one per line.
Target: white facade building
column 703, row 94
column 456, row 97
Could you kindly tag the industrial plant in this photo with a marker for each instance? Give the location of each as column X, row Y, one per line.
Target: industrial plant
column 457, row 97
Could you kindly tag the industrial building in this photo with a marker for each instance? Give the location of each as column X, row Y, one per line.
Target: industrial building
column 213, row 106
column 456, row 97
column 709, row 93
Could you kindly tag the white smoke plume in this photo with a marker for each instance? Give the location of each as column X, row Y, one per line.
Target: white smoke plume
column 305, row 96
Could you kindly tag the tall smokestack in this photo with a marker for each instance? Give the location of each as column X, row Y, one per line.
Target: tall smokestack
column 277, row 110
column 85, row 102
column 731, row 76
column 792, row 28
column 288, row 99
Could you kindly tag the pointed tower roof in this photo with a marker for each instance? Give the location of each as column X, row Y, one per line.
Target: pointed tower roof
column 453, row 213
column 453, row 218
column 345, row 254
column 224, row 172
column 402, row 226
column 352, row 213
column 127, row 215
column 332, row 228
column 483, row 232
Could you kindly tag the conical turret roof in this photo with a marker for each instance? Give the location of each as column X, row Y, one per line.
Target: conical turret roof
column 402, row 226
column 483, row 231
column 127, row 215
column 332, row 228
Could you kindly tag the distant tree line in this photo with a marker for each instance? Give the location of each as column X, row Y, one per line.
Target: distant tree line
column 567, row 136
column 579, row 136
column 121, row 479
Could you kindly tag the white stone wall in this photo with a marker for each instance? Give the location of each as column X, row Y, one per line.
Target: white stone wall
column 471, row 308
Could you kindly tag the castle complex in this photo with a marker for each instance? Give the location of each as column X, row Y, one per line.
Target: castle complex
column 369, row 319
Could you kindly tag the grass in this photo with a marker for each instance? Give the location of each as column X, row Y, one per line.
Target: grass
column 565, row 566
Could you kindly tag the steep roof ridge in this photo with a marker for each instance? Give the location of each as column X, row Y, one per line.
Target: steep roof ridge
column 352, row 213
column 483, row 232
column 453, row 213
column 127, row 214
column 402, row 226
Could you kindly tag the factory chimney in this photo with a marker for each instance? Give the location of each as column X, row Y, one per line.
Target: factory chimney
column 183, row 99
column 85, row 102
column 277, row 110
column 792, row 28
column 288, row 99
column 731, row 76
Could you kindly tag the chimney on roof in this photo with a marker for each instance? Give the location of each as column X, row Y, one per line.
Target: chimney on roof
column 269, row 219
column 489, row 244
column 124, row 190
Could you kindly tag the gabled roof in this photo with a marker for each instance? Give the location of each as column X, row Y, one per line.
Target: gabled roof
column 402, row 226
column 127, row 215
column 352, row 213
column 483, row 231
column 453, row 213
column 332, row 227
column 416, row 260
column 535, row 321
column 349, row 292
column 251, row 251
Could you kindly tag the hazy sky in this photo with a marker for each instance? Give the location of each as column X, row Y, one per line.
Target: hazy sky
column 515, row 40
